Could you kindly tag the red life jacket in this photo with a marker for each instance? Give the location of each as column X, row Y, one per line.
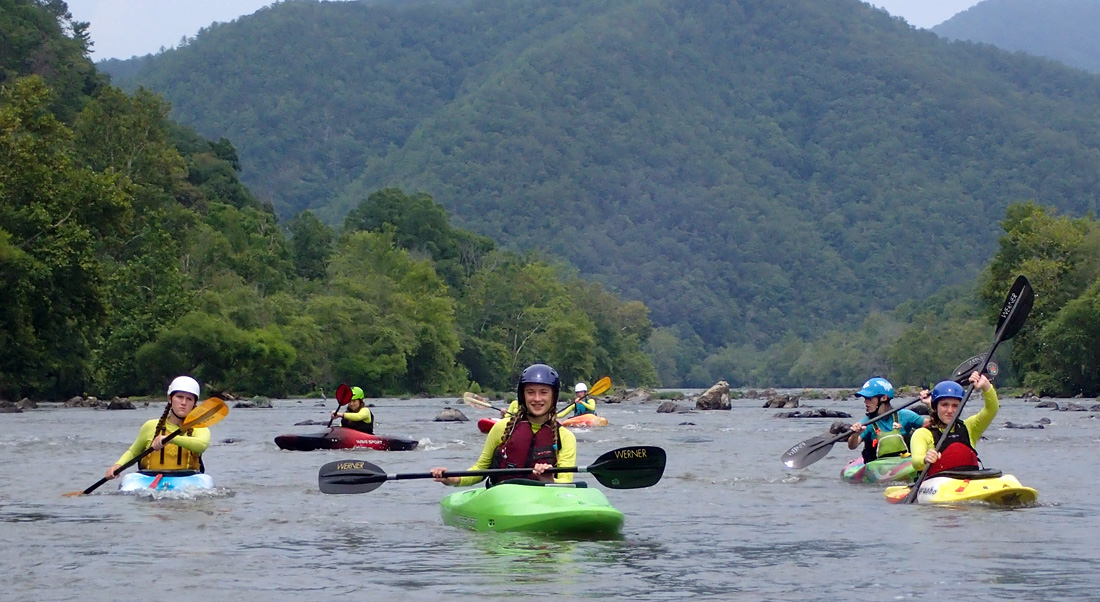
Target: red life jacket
column 524, row 449
column 959, row 454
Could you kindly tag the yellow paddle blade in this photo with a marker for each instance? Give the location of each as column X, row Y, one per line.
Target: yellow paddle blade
column 475, row 400
column 601, row 386
column 896, row 493
column 206, row 414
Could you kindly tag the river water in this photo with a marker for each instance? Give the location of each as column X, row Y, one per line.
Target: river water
column 727, row 522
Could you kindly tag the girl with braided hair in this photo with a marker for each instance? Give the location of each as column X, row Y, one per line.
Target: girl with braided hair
column 530, row 438
column 183, row 454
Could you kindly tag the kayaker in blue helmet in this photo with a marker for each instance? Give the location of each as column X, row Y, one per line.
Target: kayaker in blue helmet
column 358, row 415
column 182, row 454
column 961, row 452
column 885, row 437
column 581, row 405
column 532, row 438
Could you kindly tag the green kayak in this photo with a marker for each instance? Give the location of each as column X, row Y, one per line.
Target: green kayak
column 527, row 506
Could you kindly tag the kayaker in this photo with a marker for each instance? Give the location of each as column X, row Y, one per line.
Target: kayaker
column 885, row 437
column 581, row 404
column 960, row 453
column 357, row 416
column 182, row 454
column 532, row 438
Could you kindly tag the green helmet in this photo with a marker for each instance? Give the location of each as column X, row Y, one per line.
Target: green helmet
column 356, row 393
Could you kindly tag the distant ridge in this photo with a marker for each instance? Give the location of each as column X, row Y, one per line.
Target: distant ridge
column 750, row 169
column 1063, row 30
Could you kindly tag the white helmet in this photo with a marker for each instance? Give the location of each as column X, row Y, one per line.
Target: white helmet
column 580, row 387
column 185, row 384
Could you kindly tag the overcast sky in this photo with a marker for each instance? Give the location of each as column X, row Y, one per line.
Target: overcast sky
column 124, row 28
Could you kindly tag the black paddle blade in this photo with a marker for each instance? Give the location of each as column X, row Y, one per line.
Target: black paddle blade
column 961, row 375
column 1016, row 308
column 810, row 450
column 629, row 467
column 350, row 476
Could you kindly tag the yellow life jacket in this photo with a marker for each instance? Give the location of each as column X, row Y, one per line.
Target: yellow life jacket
column 170, row 457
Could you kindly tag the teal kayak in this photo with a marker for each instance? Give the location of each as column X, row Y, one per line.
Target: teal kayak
column 135, row 481
column 883, row 470
column 527, row 506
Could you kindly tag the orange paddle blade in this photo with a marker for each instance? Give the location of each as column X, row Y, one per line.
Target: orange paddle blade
column 205, row 414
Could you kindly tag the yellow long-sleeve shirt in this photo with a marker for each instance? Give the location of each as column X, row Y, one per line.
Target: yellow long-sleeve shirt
column 588, row 403
column 567, row 454
column 196, row 443
column 363, row 415
column 975, row 425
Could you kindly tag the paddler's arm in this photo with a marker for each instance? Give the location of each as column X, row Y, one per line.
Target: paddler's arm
column 919, row 445
column 589, row 403
column 363, row 415
column 564, row 413
column 196, row 442
column 142, row 443
column 976, row 424
column 492, row 442
column 567, row 455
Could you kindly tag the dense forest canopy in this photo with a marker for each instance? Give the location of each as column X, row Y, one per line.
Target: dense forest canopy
column 754, row 172
column 1063, row 30
column 130, row 252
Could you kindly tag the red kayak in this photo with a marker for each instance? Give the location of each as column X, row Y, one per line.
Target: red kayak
column 584, row 420
column 486, row 424
column 342, row 438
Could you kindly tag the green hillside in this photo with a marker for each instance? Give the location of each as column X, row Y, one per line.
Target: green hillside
column 1063, row 30
column 751, row 170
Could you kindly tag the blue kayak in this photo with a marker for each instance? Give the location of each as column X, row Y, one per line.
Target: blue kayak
column 135, row 481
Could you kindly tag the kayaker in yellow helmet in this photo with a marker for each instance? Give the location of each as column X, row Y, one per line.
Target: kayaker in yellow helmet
column 581, row 405
column 358, row 415
column 960, row 451
column 182, row 454
column 531, row 438
column 885, row 437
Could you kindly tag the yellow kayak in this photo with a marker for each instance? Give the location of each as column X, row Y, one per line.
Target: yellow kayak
column 954, row 487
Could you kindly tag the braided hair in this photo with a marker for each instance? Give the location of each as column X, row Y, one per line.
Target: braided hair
column 162, row 430
column 522, row 415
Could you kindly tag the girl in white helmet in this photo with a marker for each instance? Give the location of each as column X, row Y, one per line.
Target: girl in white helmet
column 581, row 404
column 182, row 454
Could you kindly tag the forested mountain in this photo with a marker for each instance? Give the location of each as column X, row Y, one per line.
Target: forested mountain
column 752, row 170
column 130, row 253
column 1063, row 30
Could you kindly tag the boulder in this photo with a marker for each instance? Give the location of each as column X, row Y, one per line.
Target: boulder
column 814, row 413
column 258, row 402
column 1030, row 396
column 450, row 414
column 312, row 423
column 1047, row 404
column 839, row 427
column 120, row 403
column 667, row 407
column 1073, row 407
column 1012, row 425
column 715, row 398
column 26, row 404
column 10, row 409
column 782, row 401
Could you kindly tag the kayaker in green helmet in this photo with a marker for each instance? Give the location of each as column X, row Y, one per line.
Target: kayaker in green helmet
column 183, row 453
column 357, row 416
column 581, row 405
column 885, row 437
column 960, row 452
column 531, row 438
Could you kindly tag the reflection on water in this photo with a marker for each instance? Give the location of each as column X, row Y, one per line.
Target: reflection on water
column 728, row 521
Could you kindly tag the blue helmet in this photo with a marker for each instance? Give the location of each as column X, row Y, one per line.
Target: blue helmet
column 947, row 389
column 876, row 386
column 539, row 374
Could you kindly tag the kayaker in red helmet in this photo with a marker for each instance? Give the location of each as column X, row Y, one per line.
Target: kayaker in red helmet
column 532, row 438
column 960, row 453
column 182, row 454
column 358, row 415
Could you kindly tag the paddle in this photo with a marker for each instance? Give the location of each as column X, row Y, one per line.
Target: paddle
column 812, row 450
column 1013, row 315
column 205, row 414
column 343, row 397
column 623, row 468
column 477, row 401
